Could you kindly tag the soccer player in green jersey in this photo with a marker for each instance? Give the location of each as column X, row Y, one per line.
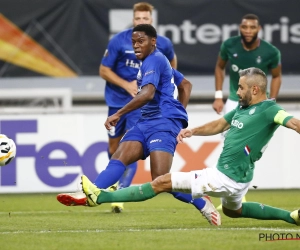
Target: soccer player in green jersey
column 251, row 126
column 242, row 52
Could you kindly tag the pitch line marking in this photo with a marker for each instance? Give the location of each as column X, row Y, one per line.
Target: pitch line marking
column 151, row 230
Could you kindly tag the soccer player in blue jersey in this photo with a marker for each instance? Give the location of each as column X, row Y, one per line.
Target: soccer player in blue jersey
column 119, row 68
column 252, row 125
column 162, row 118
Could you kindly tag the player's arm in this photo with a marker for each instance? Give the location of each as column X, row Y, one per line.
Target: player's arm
column 173, row 62
column 275, row 82
column 144, row 96
column 107, row 74
column 294, row 124
column 184, row 92
column 218, row 104
column 285, row 119
column 211, row 128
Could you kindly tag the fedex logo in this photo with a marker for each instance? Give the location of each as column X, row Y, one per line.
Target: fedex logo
column 43, row 161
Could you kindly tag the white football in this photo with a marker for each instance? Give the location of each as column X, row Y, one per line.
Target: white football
column 8, row 150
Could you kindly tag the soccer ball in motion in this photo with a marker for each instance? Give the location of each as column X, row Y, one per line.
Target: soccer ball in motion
column 8, row 150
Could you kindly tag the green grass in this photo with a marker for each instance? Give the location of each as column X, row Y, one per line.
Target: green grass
column 38, row 221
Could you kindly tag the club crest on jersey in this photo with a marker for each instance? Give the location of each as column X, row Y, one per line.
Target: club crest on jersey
column 235, row 68
column 252, row 111
column 258, row 59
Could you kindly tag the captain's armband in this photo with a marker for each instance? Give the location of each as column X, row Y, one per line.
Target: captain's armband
column 282, row 117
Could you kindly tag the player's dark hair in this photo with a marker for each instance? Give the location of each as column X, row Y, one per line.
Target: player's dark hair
column 251, row 17
column 255, row 76
column 149, row 30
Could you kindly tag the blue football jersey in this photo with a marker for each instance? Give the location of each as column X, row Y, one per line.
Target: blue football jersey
column 178, row 77
column 120, row 57
column 156, row 70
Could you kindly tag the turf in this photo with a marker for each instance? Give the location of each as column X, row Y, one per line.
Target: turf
column 38, row 221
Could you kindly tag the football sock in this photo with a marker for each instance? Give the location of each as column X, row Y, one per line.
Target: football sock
column 111, row 174
column 187, row 198
column 129, row 194
column 128, row 175
column 264, row 212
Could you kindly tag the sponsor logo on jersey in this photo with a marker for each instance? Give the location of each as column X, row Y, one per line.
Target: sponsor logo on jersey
column 129, row 51
column 252, row 111
column 235, row 68
column 247, row 150
column 156, row 140
column 237, row 124
column 149, row 72
column 132, row 64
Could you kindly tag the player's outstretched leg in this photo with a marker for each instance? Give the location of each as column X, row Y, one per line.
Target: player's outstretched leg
column 264, row 212
column 116, row 207
column 96, row 196
column 91, row 191
column 125, row 181
column 296, row 216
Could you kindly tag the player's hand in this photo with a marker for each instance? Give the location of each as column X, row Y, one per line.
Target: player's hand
column 132, row 88
column 111, row 121
column 184, row 133
column 218, row 105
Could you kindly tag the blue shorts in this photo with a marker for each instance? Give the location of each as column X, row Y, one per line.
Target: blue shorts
column 155, row 134
column 126, row 122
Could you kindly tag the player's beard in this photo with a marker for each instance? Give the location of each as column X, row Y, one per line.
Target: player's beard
column 244, row 103
column 248, row 44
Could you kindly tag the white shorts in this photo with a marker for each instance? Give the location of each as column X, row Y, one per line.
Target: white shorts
column 212, row 182
column 230, row 105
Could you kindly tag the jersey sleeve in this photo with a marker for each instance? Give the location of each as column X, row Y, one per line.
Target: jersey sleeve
column 276, row 60
column 165, row 46
column 178, row 77
column 228, row 117
column 223, row 52
column 278, row 115
column 111, row 53
column 282, row 117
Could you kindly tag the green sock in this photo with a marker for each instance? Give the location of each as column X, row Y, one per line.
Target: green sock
column 129, row 194
column 264, row 212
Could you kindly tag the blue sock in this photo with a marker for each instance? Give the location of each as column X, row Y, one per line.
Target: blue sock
column 128, row 175
column 111, row 174
column 187, row 198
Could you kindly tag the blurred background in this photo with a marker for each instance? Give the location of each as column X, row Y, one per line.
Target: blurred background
column 52, row 99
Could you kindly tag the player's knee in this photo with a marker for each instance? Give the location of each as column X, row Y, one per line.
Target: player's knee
column 162, row 183
column 231, row 213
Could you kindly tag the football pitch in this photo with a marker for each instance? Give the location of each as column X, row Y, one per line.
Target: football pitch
column 38, row 221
